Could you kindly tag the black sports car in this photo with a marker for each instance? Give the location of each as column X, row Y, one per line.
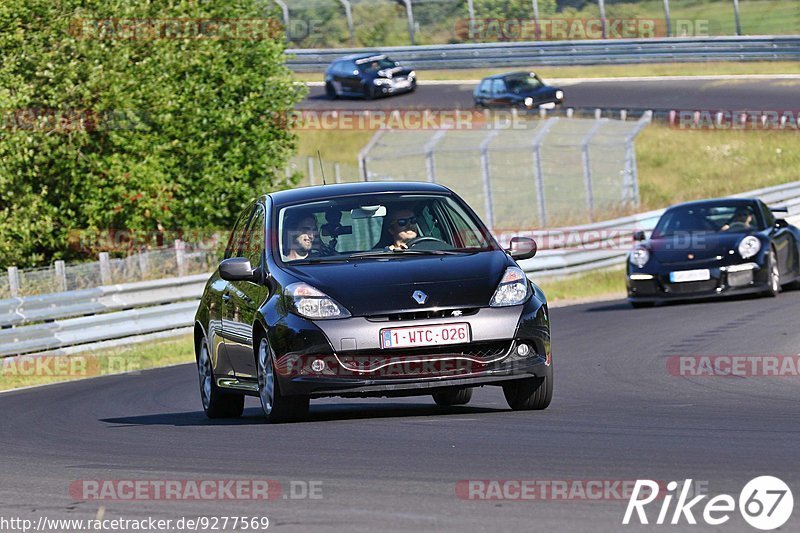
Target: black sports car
column 714, row 248
column 523, row 90
column 368, row 76
column 369, row 289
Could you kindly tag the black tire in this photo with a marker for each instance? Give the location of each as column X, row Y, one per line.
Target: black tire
column 369, row 93
column 330, row 91
column 455, row 396
column 216, row 403
column 641, row 305
column 529, row 394
column 773, row 275
column 277, row 407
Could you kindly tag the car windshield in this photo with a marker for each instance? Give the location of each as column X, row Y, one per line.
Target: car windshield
column 375, row 64
column 524, row 83
column 730, row 218
column 382, row 225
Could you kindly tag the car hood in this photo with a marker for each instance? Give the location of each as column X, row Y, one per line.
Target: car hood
column 372, row 286
column 702, row 246
column 394, row 72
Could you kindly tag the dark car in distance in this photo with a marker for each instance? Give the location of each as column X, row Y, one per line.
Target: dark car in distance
column 369, row 289
column 524, row 90
column 368, row 75
column 714, row 248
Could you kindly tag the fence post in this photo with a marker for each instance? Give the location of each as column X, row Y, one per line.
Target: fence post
column 471, row 11
column 587, row 166
column 61, row 275
column 144, row 263
column 410, row 15
column 310, row 166
column 180, row 257
column 364, row 152
column 430, row 164
column 736, row 14
column 536, row 19
column 337, row 173
column 487, row 178
column 105, row 268
column 602, row 5
column 13, row 281
column 348, row 14
column 667, row 19
column 285, row 11
column 538, row 174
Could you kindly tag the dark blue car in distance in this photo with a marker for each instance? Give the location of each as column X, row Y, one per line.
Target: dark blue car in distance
column 523, row 90
column 368, row 75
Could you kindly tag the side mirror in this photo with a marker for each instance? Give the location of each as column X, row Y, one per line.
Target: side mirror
column 638, row 235
column 781, row 223
column 236, row 269
column 522, row 248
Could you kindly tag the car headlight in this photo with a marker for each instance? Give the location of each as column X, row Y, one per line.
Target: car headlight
column 313, row 303
column 749, row 246
column 512, row 290
column 559, row 95
column 529, row 101
column 412, row 74
column 639, row 257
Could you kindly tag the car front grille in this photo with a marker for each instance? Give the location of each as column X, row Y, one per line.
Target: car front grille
column 423, row 315
column 691, row 287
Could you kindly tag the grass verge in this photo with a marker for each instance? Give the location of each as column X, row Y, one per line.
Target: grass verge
column 607, row 71
column 27, row 371
column 601, row 284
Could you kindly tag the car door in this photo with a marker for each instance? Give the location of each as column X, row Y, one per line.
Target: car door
column 242, row 299
column 351, row 77
column 784, row 241
column 500, row 96
column 484, row 93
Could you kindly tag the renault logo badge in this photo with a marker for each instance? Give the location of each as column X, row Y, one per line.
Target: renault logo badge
column 420, row 297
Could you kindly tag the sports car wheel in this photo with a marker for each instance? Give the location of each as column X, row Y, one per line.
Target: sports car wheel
column 216, row 404
column 774, row 275
column 529, row 394
column 458, row 396
column 276, row 407
column 330, row 91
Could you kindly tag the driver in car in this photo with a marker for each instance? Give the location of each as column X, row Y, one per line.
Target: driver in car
column 301, row 230
column 402, row 228
column 741, row 219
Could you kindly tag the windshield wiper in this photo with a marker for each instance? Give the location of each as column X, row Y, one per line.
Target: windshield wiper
column 400, row 253
column 318, row 260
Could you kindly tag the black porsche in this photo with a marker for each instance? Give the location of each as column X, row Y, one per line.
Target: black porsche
column 369, row 289
column 368, row 75
column 523, row 90
column 713, row 248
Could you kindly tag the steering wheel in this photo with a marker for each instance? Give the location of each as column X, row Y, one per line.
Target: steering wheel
column 421, row 240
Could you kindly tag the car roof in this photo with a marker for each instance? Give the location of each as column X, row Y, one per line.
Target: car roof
column 509, row 74
column 362, row 55
column 717, row 201
column 321, row 192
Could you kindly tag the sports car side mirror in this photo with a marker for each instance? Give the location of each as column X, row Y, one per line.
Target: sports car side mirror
column 236, row 269
column 522, row 248
column 638, row 235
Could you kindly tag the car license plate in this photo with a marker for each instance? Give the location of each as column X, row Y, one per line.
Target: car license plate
column 548, row 105
column 414, row 336
column 702, row 274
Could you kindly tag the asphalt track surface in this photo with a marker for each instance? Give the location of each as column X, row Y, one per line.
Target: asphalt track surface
column 393, row 464
column 730, row 94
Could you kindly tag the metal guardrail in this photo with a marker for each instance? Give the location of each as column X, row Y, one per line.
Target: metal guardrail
column 590, row 52
column 53, row 322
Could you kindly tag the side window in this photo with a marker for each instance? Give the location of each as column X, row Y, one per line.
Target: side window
column 349, row 67
column 236, row 235
column 429, row 224
column 498, row 87
column 486, row 88
column 337, row 68
column 769, row 218
column 466, row 233
column 254, row 238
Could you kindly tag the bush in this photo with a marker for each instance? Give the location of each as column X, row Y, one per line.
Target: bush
column 145, row 134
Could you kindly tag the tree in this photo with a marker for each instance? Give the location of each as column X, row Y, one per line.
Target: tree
column 143, row 115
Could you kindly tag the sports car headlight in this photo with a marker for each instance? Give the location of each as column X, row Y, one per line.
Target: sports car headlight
column 381, row 81
column 749, row 246
column 560, row 95
column 639, row 257
column 529, row 101
column 313, row 303
column 412, row 74
column 512, row 290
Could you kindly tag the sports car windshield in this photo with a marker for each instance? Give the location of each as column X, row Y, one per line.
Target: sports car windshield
column 521, row 84
column 379, row 225
column 375, row 64
column 731, row 218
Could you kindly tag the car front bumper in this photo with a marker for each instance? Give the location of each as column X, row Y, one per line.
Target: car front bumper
column 722, row 284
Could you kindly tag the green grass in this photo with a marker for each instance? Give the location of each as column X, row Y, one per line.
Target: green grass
column 600, row 284
column 25, row 372
column 608, row 71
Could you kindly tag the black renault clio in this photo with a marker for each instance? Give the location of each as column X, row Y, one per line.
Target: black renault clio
column 368, row 75
column 369, row 289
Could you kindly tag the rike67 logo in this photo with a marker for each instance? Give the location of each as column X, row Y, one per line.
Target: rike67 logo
column 766, row 503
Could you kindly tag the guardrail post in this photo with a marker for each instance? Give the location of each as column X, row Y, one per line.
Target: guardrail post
column 180, row 256
column 487, row 178
column 410, row 15
column 105, row 268
column 736, row 14
column 667, row 18
column 13, row 281
column 61, row 275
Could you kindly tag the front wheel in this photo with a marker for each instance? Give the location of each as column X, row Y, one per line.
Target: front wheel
column 774, row 275
column 529, row 394
column 330, row 91
column 216, row 404
column 457, row 396
column 276, row 407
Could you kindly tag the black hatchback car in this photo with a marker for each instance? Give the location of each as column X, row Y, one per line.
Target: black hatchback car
column 368, row 76
column 369, row 289
column 524, row 90
column 713, row 248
